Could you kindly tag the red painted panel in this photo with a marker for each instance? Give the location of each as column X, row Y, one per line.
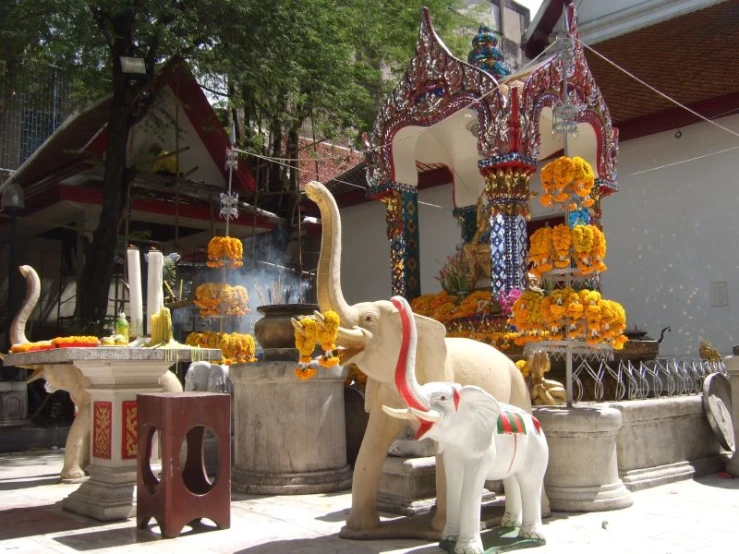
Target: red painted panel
column 102, row 415
column 129, row 410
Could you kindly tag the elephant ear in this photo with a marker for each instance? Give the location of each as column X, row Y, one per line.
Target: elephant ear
column 431, row 352
column 480, row 411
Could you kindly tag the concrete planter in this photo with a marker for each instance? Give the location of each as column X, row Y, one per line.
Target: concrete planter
column 663, row 440
column 583, row 471
column 289, row 435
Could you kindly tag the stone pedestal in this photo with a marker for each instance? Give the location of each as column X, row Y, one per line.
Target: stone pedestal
column 663, row 440
column 732, row 368
column 114, row 377
column 583, row 471
column 13, row 403
column 108, row 494
column 289, row 435
column 408, row 482
column 407, row 486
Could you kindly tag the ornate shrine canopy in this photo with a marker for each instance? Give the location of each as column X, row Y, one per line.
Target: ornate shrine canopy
column 447, row 111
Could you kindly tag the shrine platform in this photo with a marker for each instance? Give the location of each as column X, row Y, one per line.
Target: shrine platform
column 685, row 517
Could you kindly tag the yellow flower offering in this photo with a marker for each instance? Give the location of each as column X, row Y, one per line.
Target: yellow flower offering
column 225, row 248
column 568, row 181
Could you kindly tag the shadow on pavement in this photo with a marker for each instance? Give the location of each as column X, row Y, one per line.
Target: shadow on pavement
column 17, row 523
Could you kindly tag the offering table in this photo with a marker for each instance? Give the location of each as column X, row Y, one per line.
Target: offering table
column 113, row 377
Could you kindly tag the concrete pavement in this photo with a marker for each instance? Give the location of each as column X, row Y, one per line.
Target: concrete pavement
column 684, row 517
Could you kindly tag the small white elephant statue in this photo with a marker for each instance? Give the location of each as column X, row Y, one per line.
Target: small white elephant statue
column 207, row 377
column 479, row 439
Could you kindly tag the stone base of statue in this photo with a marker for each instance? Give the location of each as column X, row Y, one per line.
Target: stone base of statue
column 583, row 472
column 408, row 482
column 289, row 435
column 419, row 526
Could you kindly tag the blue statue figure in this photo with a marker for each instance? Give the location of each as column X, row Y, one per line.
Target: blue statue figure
column 486, row 55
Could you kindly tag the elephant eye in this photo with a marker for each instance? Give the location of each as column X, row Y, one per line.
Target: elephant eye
column 442, row 398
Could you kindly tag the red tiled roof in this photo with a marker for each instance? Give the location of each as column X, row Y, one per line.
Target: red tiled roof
column 323, row 161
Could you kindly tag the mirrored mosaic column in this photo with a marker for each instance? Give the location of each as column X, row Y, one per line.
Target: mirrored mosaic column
column 507, row 190
column 401, row 204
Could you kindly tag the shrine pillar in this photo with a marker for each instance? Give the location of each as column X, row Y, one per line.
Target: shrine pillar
column 507, row 192
column 401, row 205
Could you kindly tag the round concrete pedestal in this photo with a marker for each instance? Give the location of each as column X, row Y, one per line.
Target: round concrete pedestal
column 289, row 435
column 583, row 474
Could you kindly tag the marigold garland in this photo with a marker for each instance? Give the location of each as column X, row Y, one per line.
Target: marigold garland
column 568, row 181
column 225, row 248
column 237, row 348
column 566, row 313
column 557, row 246
column 220, row 298
column 327, row 339
column 305, row 342
column 86, row 341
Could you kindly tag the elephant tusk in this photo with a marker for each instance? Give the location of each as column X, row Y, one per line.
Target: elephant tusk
column 432, row 415
column 398, row 413
column 297, row 326
column 351, row 337
column 319, row 316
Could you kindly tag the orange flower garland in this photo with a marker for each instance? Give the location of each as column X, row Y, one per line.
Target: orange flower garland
column 237, row 348
column 555, row 247
column 567, row 180
column 580, row 315
column 219, row 298
column 225, row 248
column 75, row 342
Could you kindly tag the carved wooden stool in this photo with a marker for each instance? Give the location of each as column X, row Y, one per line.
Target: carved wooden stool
column 183, row 494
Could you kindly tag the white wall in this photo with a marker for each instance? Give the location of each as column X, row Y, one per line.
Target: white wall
column 671, row 233
column 365, row 262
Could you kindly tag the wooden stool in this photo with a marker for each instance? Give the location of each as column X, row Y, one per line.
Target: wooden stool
column 182, row 495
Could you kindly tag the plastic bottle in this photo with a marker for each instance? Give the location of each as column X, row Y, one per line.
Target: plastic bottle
column 121, row 326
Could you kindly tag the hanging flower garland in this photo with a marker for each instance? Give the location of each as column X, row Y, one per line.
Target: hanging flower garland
column 555, row 247
column 568, row 180
column 327, row 338
column 567, row 313
column 312, row 335
column 220, row 298
column 237, row 348
column 225, row 248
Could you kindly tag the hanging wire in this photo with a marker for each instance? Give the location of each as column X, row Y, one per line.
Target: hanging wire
column 338, row 180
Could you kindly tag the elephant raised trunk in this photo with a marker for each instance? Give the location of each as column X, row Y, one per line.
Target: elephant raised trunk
column 33, row 291
column 328, row 279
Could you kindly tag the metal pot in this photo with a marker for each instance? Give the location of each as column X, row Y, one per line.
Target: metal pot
column 274, row 330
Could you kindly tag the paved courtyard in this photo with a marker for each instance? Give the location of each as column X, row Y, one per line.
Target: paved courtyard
column 689, row 516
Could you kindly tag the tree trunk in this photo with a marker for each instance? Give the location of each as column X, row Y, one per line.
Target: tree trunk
column 93, row 288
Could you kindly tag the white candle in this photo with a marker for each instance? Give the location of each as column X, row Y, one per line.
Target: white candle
column 135, row 297
column 155, row 282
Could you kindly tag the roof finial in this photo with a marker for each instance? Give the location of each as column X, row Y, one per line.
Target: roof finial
column 486, row 55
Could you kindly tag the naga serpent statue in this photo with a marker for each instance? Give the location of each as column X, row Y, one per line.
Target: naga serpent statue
column 69, row 378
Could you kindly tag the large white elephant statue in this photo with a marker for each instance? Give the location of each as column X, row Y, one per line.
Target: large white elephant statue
column 69, row 378
column 479, row 440
column 370, row 337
